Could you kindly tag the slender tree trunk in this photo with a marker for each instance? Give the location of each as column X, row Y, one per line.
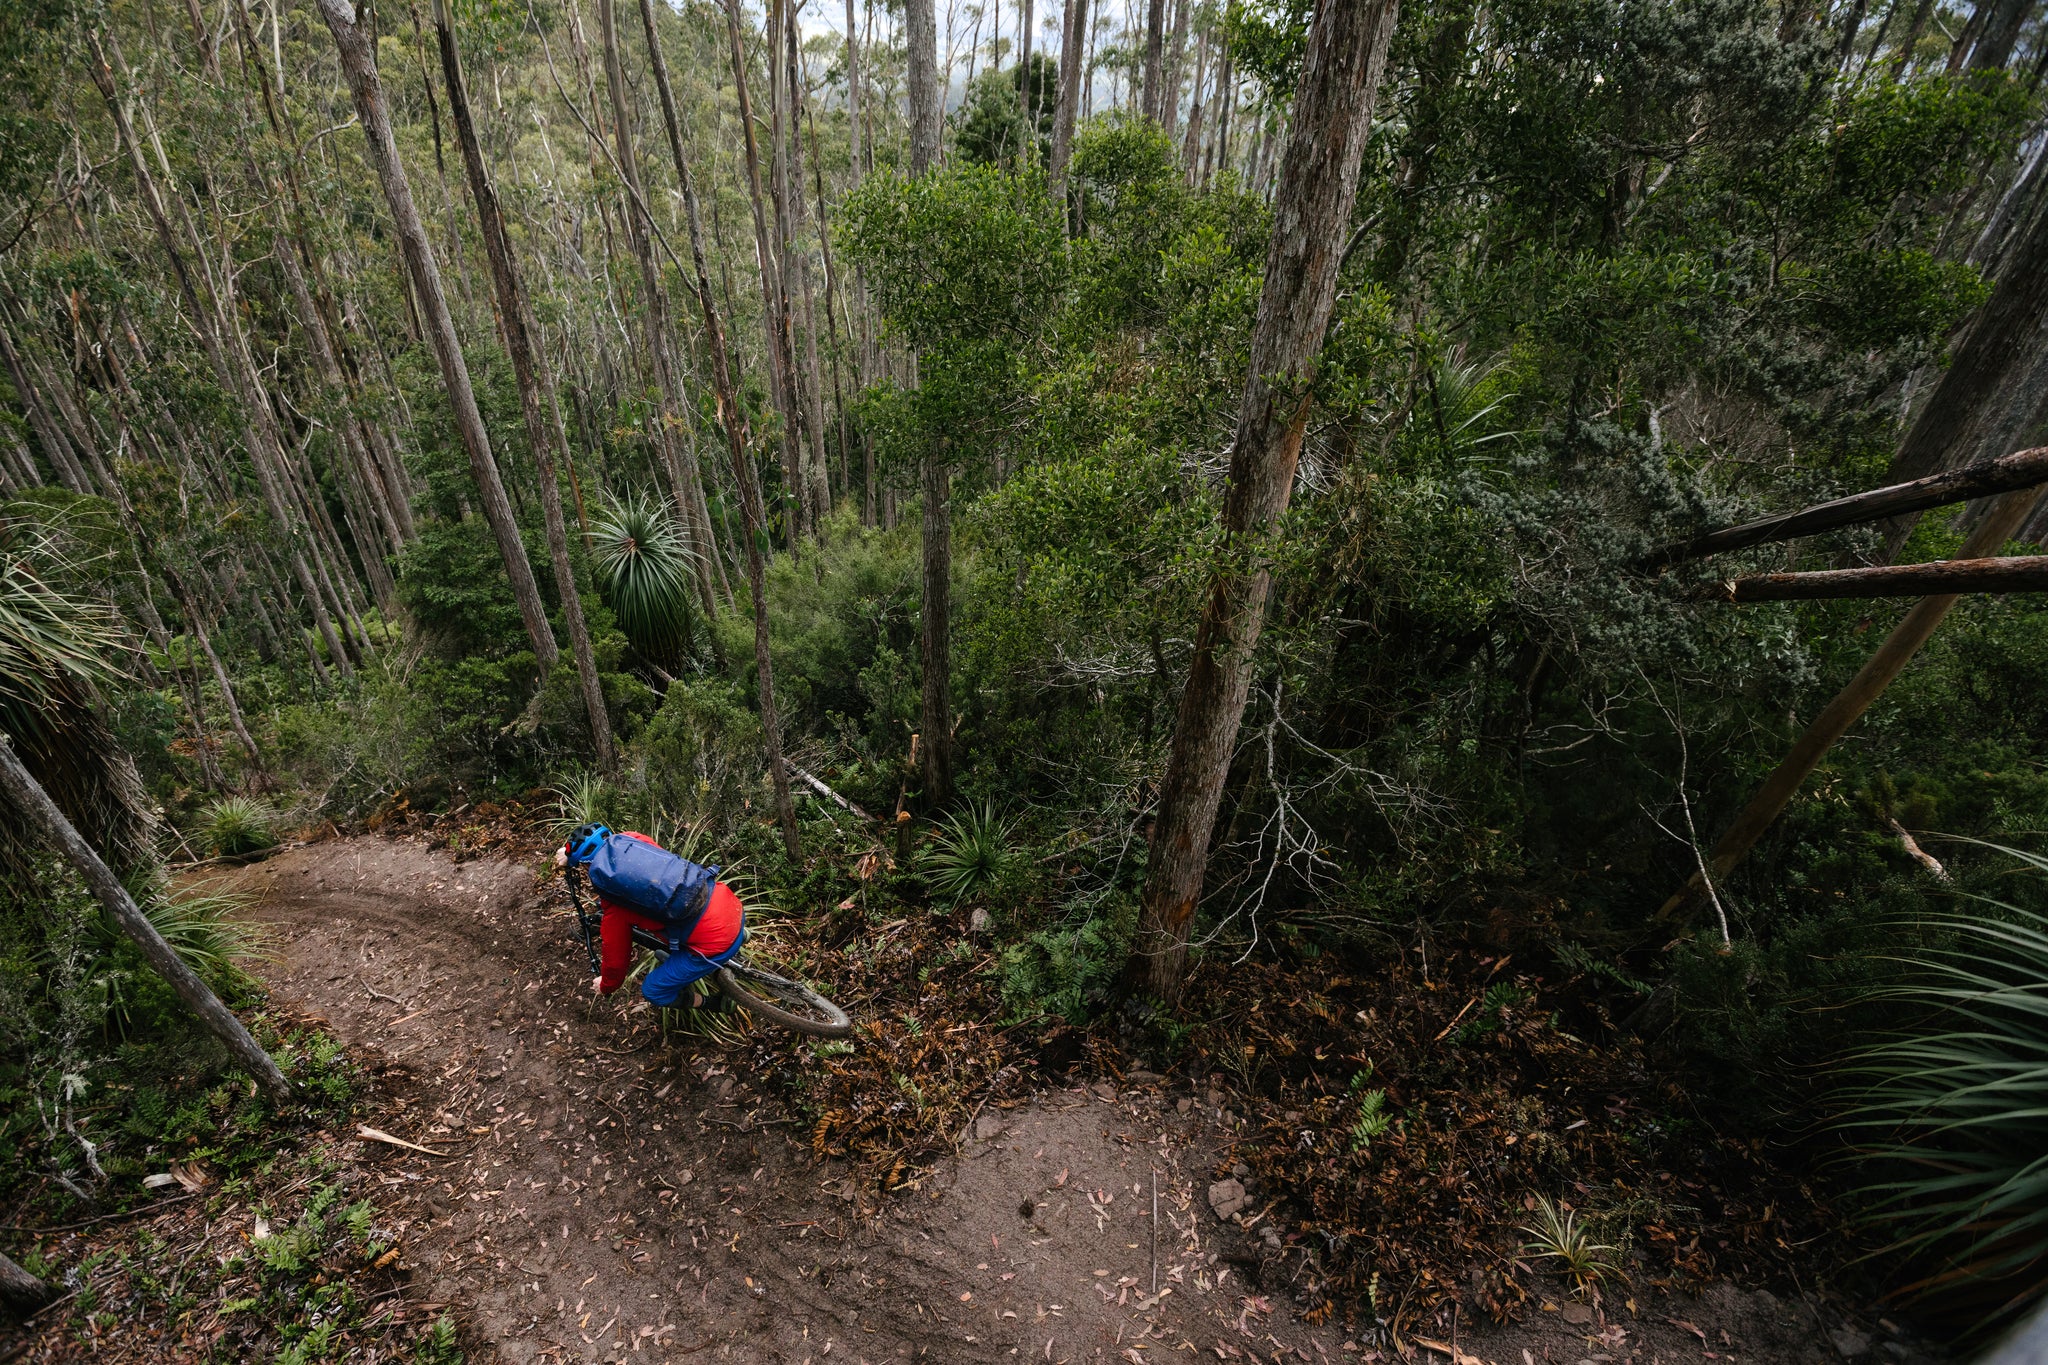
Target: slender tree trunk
column 1191, row 145
column 782, row 380
column 1027, row 89
column 732, row 419
column 1072, row 44
column 921, row 32
column 1155, row 51
column 684, row 475
column 818, row 486
column 528, row 369
column 35, row 804
column 852, row 97
column 935, row 629
column 195, row 617
column 358, row 62
column 1176, row 64
column 1347, row 47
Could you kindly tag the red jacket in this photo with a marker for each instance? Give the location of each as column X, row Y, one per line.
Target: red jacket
column 714, row 933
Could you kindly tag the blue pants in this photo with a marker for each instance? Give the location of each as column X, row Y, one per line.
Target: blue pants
column 675, row 973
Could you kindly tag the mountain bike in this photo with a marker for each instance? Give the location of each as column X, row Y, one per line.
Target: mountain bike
column 777, row 999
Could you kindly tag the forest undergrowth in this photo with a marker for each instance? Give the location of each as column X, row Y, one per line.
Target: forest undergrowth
column 1180, row 541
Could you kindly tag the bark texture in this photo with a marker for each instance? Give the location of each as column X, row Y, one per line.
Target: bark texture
column 935, row 634
column 781, row 362
column 2018, row 573
column 1073, row 44
column 1319, row 184
column 359, row 66
column 20, row 1292
column 921, row 31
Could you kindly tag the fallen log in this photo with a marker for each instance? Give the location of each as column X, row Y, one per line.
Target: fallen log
column 2024, row 469
column 29, row 798
column 1942, row 577
column 1999, row 525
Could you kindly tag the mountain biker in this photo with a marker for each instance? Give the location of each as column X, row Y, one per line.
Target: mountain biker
column 714, row 941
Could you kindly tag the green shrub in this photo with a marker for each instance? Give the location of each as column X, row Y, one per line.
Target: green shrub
column 237, row 825
column 1068, row 971
column 974, row 855
column 698, row 760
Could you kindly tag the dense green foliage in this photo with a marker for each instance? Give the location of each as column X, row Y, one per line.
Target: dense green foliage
column 1617, row 273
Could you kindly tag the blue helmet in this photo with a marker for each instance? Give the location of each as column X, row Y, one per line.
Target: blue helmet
column 585, row 841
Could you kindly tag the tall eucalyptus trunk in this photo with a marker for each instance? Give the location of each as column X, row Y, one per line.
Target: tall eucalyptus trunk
column 781, row 365
column 681, row 464
column 529, row 370
column 1347, row 46
column 359, row 66
column 732, row 420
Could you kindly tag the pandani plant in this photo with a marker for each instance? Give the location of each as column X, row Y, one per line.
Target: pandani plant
column 1952, row 1109
column 644, row 567
column 55, row 655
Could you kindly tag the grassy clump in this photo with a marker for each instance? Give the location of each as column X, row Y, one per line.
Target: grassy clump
column 1951, row 1111
column 236, row 826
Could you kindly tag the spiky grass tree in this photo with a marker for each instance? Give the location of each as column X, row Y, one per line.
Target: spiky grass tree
column 54, row 652
column 644, row 569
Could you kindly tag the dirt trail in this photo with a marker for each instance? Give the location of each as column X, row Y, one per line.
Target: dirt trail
column 612, row 1197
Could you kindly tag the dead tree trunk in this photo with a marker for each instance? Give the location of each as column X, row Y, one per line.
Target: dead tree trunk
column 359, row 65
column 2019, row 573
column 2023, row 469
column 35, row 804
column 528, row 369
column 1333, row 115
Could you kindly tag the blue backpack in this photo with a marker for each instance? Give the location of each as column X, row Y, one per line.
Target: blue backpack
column 654, row 882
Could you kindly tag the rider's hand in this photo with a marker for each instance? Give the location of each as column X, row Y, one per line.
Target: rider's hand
column 597, row 985
column 561, row 858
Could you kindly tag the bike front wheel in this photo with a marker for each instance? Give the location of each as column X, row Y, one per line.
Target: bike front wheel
column 780, row 1000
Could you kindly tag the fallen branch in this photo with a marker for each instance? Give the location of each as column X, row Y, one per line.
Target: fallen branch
column 136, row 1212
column 1941, row 578
column 2021, row 470
column 233, row 859
column 1915, row 852
column 379, row 1135
column 817, row 784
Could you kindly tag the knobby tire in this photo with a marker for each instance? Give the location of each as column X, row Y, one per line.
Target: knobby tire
column 823, row 1020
